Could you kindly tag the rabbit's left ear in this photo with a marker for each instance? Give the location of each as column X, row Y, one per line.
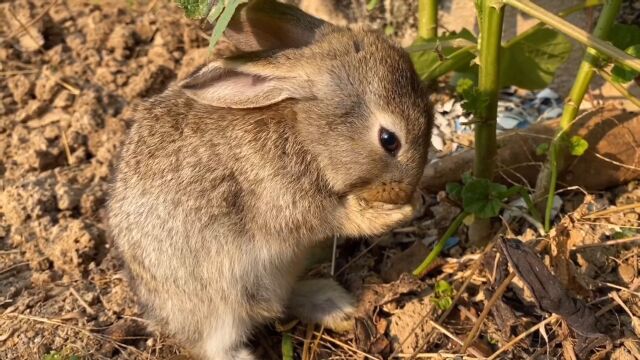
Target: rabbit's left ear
column 243, row 87
column 261, row 25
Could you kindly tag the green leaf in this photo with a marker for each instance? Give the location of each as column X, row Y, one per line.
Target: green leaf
column 426, row 62
column 623, row 74
column 467, row 177
column 455, row 191
column 194, row 9
column 214, row 14
column 443, row 288
column 223, row 21
column 530, row 61
column 475, row 101
column 578, row 145
column 542, row 149
column 483, row 198
column 388, row 30
column 623, row 36
column 372, row 4
column 464, row 85
column 443, row 293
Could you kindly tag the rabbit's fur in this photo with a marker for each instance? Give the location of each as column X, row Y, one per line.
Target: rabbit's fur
column 230, row 176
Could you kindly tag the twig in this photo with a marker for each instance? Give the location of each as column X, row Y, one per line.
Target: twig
column 9, row 252
column 314, row 349
column 476, row 327
column 436, row 356
column 345, row 267
column 621, row 89
column 630, row 167
column 65, row 144
column 453, row 337
column 617, row 299
column 517, row 339
column 23, row 26
column 13, row 267
column 346, row 346
column 621, row 288
column 612, row 210
column 81, row 301
column 472, row 271
column 608, row 243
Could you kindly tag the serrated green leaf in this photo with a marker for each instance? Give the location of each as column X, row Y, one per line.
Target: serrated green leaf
column 623, row 74
column 482, row 198
column 467, row 177
column 194, row 9
column 425, row 62
column 530, row 62
column 464, row 85
column 443, row 288
column 578, row 145
column 475, row 101
column 455, row 191
column 623, row 36
column 542, row 149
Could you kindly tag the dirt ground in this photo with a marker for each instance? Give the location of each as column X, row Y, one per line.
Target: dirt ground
column 66, row 86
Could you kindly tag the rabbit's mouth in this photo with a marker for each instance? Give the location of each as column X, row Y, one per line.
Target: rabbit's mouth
column 388, row 192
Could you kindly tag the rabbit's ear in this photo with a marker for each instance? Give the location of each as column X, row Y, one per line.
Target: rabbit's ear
column 269, row 25
column 243, row 88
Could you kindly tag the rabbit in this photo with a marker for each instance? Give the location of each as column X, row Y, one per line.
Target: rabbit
column 227, row 178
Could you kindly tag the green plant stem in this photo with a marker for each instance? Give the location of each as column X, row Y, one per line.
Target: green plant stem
column 621, row 89
column 287, row 347
column 455, row 225
column 428, row 19
column 488, row 85
column 453, row 61
column 572, row 104
column 575, row 32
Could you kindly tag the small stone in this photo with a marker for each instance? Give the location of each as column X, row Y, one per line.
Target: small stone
column 627, row 273
column 20, row 87
column 68, row 196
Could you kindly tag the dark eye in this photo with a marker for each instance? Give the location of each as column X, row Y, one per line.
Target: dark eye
column 389, row 141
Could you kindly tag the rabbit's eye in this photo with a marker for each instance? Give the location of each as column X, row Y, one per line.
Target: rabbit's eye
column 389, row 141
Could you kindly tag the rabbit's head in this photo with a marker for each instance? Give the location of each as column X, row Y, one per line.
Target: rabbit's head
column 361, row 109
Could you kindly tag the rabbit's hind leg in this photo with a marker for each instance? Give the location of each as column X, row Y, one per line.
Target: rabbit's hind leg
column 225, row 339
column 324, row 302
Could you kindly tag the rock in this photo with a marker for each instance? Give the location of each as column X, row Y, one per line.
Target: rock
column 20, row 86
column 72, row 245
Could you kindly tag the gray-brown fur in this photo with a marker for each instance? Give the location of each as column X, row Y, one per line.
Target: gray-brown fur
column 214, row 207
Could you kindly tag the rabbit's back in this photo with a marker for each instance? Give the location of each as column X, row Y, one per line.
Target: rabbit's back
column 196, row 185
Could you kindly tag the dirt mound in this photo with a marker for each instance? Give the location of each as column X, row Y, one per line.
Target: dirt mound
column 70, row 74
column 70, row 71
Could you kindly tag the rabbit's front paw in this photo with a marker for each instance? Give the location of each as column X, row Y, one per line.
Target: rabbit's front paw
column 361, row 217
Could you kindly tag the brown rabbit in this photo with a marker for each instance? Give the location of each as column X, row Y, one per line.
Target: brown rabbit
column 230, row 176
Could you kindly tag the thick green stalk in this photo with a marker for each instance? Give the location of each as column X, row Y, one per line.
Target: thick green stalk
column 488, row 86
column 563, row 14
column 572, row 105
column 428, row 19
column 455, row 225
column 575, row 32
